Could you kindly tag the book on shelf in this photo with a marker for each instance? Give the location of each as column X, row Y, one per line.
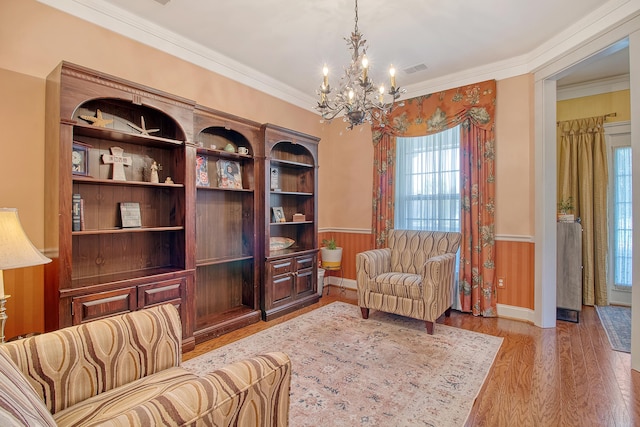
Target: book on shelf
column 76, row 224
column 229, row 174
column 202, row 173
column 82, row 226
column 130, row 214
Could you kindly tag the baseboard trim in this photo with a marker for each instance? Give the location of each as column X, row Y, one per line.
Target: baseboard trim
column 337, row 281
column 515, row 313
column 504, row 311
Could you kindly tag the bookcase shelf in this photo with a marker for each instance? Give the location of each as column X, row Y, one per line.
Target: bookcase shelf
column 125, row 230
column 95, row 181
column 227, row 276
column 106, row 269
column 290, row 275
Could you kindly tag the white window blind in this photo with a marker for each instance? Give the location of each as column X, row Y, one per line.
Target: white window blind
column 427, row 182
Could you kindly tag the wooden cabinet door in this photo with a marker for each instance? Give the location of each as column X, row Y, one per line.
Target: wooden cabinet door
column 304, row 281
column 304, row 266
column 282, row 287
column 279, row 286
column 104, row 304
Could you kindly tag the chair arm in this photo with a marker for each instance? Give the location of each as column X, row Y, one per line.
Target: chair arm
column 371, row 263
column 437, row 281
column 252, row 391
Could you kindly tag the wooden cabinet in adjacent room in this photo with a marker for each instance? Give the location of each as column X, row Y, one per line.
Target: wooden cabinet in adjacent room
column 569, row 271
column 290, row 228
column 227, row 223
column 118, row 199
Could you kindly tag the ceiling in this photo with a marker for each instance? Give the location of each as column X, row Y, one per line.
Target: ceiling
column 280, row 46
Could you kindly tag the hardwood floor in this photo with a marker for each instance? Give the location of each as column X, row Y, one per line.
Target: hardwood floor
column 563, row 376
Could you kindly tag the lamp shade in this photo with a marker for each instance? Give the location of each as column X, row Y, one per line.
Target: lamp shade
column 16, row 250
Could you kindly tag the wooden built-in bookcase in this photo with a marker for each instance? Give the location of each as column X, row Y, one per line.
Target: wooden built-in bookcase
column 105, row 269
column 201, row 239
column 227, row 265
column 290, row 277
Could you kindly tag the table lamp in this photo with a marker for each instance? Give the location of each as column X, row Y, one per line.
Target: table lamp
column 16, row 251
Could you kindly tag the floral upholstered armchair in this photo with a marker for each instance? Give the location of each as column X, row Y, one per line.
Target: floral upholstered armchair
column 412, row 277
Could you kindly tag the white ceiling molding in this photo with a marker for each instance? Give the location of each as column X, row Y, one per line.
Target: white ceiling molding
column 596, row 87
column 122, row 22
column 609, row 16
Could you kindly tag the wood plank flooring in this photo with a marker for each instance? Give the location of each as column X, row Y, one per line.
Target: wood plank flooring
column 563, row 376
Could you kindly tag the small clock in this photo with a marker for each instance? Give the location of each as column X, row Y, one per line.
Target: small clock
column 80, row 159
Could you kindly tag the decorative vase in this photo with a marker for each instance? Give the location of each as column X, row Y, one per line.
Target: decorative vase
column 331, row 258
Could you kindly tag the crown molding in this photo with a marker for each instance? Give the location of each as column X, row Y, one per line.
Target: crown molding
column 106, row 15
column 115, row 19
column 595, row 87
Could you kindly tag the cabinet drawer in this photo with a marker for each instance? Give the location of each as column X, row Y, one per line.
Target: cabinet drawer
column 306, row 261
column 160, row 292
column 97, row 306
column 281, row 266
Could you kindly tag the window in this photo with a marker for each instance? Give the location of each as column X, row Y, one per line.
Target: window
column 428, row 187
column 622, row 217
column 428, row 182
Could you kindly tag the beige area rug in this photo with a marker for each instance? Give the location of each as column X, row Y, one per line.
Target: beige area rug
column 384, row 371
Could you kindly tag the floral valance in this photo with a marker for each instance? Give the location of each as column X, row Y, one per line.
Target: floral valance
column 435, row 112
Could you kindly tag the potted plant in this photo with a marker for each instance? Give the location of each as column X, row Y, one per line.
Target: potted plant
column 564, row 207
column 331, row 254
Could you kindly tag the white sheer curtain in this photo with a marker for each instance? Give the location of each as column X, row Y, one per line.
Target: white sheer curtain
column 427, row 185
column 622, row 218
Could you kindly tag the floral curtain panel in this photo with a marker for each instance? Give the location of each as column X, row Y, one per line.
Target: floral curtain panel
column 472, row 106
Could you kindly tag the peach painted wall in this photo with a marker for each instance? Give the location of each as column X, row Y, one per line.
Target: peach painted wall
column 346, row 177
column 346, row 200
column 515, row 192
column 345, row 204
column 34, row 38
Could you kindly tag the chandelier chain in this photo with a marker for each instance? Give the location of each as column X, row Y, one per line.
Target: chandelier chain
column 356, row 8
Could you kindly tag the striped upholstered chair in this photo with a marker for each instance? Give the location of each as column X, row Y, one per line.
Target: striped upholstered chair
column 413, row 277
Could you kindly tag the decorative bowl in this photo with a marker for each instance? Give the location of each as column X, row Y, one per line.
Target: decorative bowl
column 280, row 243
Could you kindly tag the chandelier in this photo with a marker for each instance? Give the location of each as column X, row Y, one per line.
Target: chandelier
column 358, row 98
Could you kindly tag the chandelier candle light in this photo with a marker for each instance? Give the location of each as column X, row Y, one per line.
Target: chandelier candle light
column 357, row 96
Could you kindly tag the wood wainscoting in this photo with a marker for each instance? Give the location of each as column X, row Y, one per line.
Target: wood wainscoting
column 351, row 243
column 514, row 263
column 25, row 308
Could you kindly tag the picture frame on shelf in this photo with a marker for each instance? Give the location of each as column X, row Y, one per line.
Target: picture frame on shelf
column 275, row 179
column 229, row 174
column 278, row 214
column 202, row 171
column 130, row 215
column 80, row 158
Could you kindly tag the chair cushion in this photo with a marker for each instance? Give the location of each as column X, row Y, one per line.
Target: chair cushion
column 403, row 285
column 174, row 396
column 20, row 405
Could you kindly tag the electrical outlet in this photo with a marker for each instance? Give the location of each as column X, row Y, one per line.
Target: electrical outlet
column 501, row 283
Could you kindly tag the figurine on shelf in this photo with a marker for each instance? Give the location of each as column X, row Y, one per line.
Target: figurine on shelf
column 154, row 173
column 168, row 180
